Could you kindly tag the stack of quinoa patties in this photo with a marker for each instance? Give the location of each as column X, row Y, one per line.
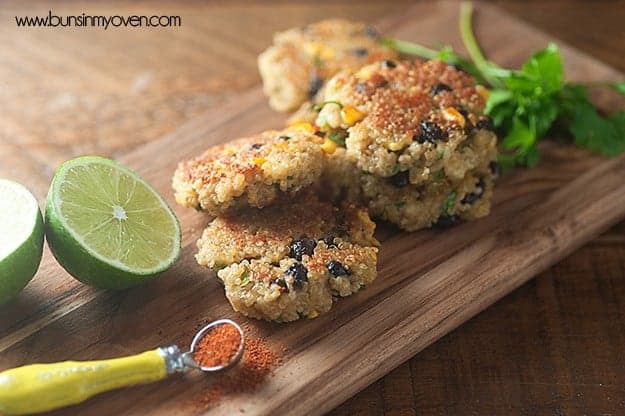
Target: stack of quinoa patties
column 403, row 141
column 281, row 253
column 412, row 142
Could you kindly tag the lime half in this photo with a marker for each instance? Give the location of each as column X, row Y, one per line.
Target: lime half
column 21, row 238
column 108, row 227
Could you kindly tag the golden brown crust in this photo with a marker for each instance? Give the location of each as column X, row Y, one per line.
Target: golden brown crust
column 407, row 116
column 253, row 171
column 266, row 234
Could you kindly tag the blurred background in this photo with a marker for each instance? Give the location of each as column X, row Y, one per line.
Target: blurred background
column 71, row 91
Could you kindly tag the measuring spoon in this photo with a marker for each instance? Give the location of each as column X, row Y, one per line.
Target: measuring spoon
column 42, row 387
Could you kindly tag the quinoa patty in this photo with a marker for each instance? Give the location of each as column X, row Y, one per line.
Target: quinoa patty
column 411, row 207
column 252, row 171
column 295, row 68
column 292, row 259
column 441, row 203
column 416, row 117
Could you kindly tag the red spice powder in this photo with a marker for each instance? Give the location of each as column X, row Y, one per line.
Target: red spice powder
column 217, row 346
column 257, row 363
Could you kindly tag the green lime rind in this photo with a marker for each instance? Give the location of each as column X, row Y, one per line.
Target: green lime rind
column 78, row 259
column 18, row 268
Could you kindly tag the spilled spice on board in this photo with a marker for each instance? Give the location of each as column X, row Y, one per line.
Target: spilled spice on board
column 257, row 363
column 218, row 346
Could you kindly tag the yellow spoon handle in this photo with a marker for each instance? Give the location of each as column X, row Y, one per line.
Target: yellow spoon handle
column 41, row 387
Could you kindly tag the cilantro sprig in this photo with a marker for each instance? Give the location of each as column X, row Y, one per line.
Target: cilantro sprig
column 525, row 103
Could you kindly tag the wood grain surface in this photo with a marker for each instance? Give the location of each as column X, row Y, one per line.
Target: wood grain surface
column 554, row 346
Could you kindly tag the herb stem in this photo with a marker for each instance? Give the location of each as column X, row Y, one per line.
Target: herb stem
column 410, row 48
column 468, row 38
column 446, row 55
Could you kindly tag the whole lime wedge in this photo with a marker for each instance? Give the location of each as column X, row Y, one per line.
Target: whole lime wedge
column 21, row 238
column 107, row 227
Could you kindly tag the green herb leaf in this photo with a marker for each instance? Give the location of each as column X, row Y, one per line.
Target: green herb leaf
column 527, row 106
column 520, row 137
column 448, row 204
column 338, row 137
column 438, row 175
column 521, row 142
column 544, row 70
column 590, row 130
column 500, row 106
column 244, row 278
column 497, row 98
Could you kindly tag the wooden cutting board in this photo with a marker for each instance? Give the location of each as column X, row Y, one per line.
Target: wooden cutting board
column 429, row 282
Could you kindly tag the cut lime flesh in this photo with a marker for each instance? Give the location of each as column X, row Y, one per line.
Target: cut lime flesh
column 21, row 238
column 107, row 226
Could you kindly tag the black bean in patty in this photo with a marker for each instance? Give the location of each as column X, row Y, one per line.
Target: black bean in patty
column 256, row 146
column 446, row 221
column 400, row 180
column 299, row 272
column 302, row 246
column 459, row 68
column 485, row 123
column 281, row 283
column 382, row 84
column 361, row 87
column 314, row 86
column 438, row 88
column 337, row 269
column 371, row 32
column 430, row 132
column 495, row 169
column 475, row 195
column 387, row 63
column 471, row 198
column 329, row 240
column 284, row 138
column 360, row 52
column 341, row 223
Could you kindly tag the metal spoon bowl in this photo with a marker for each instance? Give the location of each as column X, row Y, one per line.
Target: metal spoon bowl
column 190, row 362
